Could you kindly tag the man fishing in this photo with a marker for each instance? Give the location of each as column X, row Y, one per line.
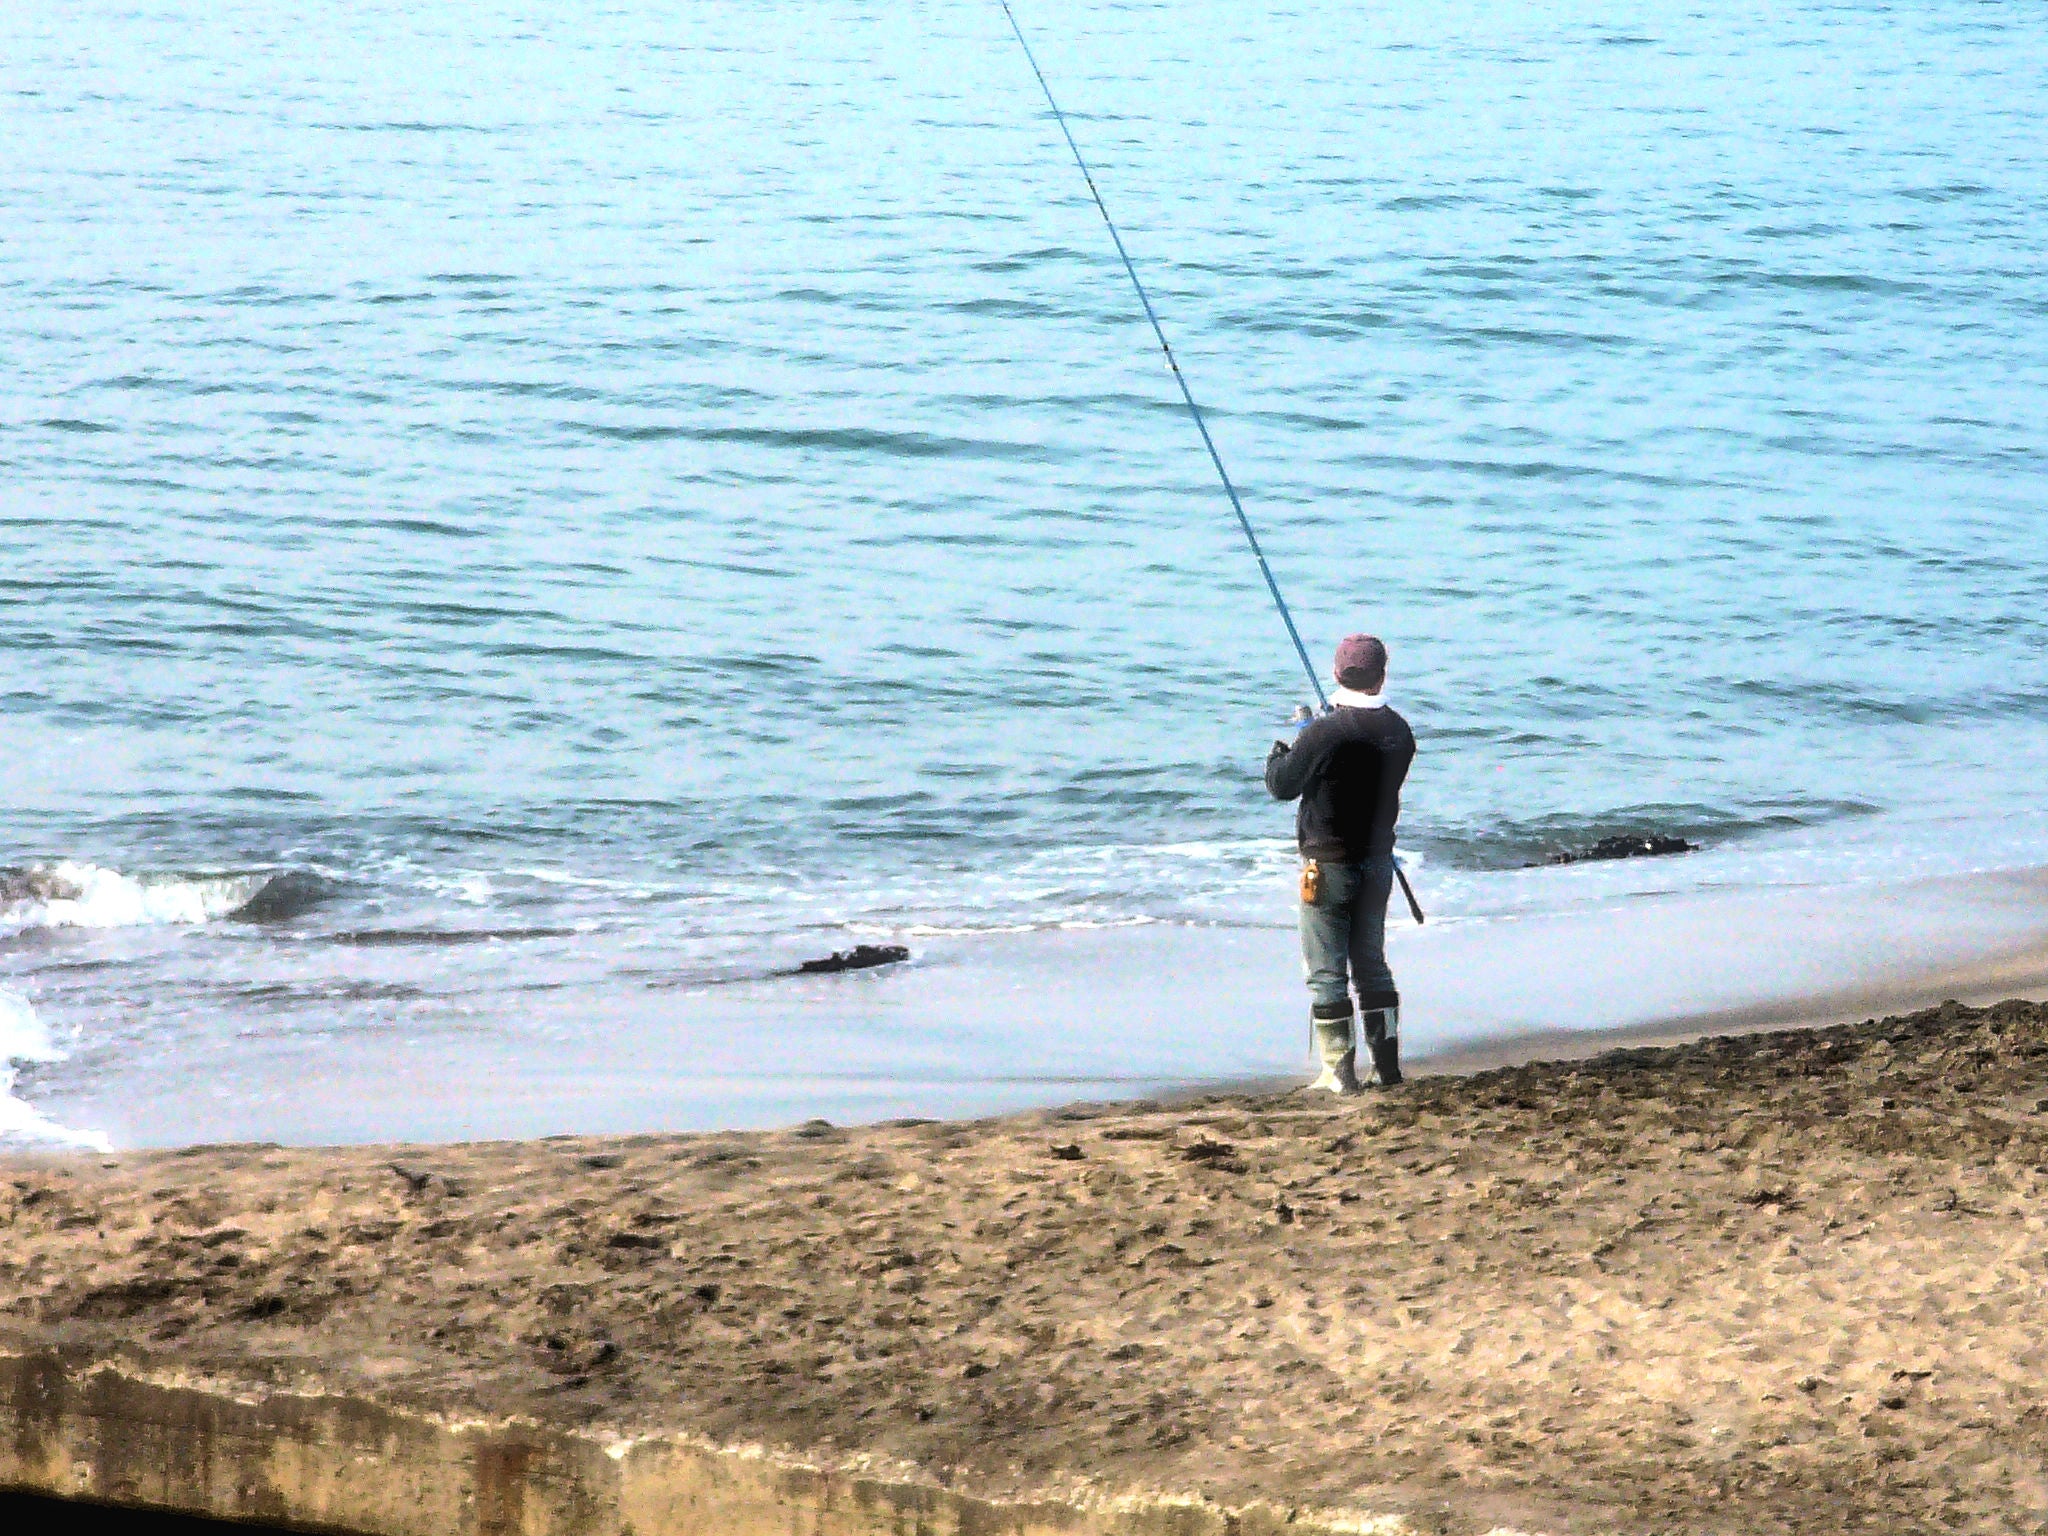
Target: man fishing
column 1347, row 767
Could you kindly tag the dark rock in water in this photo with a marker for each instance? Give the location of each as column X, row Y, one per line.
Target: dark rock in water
column 36, row 883
column 1639, row 847
column 1627, row 848
column 283, row 896
column 858, row 958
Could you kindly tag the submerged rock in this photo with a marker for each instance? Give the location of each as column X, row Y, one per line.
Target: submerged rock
column 859, row 958
column 36, row 883
column 1629, row 846
column 283, row 896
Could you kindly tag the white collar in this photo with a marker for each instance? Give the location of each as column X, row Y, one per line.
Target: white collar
column 1351, row 698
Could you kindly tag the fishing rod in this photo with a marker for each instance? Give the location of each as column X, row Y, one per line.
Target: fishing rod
column 1194, row 410
column 1315, row 680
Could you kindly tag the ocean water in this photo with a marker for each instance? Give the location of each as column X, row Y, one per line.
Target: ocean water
column 617, row 499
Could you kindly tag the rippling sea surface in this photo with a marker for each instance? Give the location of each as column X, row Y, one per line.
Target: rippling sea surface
column 626, row 496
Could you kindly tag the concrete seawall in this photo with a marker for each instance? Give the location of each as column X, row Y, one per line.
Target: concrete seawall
column 84, row 1429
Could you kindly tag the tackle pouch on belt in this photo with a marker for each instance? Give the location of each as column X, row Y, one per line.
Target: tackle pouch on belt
column 1311, row 882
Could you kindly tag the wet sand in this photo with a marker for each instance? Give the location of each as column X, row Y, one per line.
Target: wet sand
column 992, row 1024
column 1774, row 1282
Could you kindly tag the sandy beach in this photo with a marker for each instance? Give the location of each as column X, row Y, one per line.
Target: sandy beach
column 1772, row 1282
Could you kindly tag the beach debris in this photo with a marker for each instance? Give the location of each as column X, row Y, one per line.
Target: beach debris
column 563, row 1354
column 870, row 1169
column 1165, row 1253
column 859, row 958
column 1626, row 846
column 600, row 1161
column 417, row 1181
column 1067, row 1151
column 1953, row 1204
column 1220, row 1155
column 378, row 938
column 719, row 1155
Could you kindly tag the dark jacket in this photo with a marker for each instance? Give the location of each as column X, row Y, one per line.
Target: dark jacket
column 1347, row 766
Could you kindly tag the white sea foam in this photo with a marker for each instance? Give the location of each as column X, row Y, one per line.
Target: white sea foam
column 72, row 894
column 23, row 1037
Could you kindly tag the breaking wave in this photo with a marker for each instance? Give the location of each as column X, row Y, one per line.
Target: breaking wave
column 74, row 894
column 23, row 1038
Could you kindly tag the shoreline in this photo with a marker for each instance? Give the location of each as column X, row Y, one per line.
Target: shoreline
column 1779, row 1282
column 2019, row 970
column 1005, row 1023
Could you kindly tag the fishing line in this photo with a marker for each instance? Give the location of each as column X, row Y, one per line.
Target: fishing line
column 1315, row 680
column 1194, row 410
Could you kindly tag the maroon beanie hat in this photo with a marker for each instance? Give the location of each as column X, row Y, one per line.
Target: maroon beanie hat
column 1361, row 662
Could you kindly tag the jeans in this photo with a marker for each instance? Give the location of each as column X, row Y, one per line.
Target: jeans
column 1344, row 938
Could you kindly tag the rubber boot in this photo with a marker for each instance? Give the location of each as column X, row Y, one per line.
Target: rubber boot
column 1334, row 1049
column 1383, row 1041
